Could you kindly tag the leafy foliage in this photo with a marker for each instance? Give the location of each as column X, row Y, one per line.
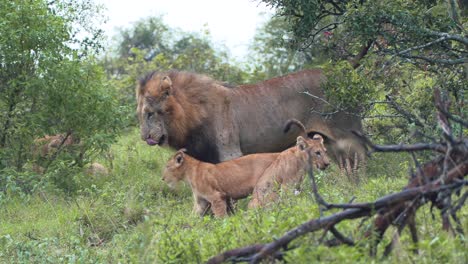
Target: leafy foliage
column 132, row 216
column 348, row 89
column 50, row 83
column 270, row 53
column 47, row 86
column 405, row 49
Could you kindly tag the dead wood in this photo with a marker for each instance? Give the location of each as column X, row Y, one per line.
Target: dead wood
column 434, row 182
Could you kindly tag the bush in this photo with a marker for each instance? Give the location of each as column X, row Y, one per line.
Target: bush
column 49, row 88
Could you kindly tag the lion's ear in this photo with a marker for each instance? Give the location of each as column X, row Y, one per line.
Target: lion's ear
column 301, row 143
column 179, row 157
column 318, row 137
column 166, row 85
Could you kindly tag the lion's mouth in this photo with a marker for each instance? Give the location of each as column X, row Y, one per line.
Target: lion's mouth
column 150, row 141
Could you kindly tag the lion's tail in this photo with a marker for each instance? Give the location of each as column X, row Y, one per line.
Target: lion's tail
column 296, row 122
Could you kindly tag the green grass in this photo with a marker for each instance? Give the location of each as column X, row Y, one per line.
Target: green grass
column 131, row 216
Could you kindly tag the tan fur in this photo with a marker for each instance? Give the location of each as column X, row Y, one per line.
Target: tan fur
column 47, row 145
column 43, row 149
column 216, row 123
column 187, row 105
column 213, row 184
column 97, row 169
column 289, row 168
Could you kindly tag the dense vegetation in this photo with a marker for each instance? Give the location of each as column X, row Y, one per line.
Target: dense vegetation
column 383, row 59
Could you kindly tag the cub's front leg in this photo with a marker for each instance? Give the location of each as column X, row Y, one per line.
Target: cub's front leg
column 263, row 193
column 200, row 205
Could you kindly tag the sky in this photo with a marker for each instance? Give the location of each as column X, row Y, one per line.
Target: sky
column 231, row 22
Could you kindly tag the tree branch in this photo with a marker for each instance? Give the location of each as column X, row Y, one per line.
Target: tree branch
column 355, row 62
column 441, row 39
column 262, row 251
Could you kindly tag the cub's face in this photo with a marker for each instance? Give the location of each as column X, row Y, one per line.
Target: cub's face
column 174, row 170
column 313, row 151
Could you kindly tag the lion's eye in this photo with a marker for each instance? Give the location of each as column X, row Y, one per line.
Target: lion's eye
column 318, row 153
column 149, row 115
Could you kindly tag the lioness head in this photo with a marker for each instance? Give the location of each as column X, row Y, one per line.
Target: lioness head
column 175, row 169
column 312, row 151
column 156, row 105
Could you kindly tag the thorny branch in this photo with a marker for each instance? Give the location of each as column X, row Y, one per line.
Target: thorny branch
column 433, row 182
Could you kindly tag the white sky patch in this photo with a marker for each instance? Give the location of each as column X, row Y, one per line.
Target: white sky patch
column 231, row 22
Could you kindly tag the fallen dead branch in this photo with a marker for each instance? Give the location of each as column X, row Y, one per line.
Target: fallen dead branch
column 434, row 182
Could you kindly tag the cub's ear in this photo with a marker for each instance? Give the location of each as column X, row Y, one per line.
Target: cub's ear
column 301, row 143
column 318, row 137
column 179, row 157
column 166, row 85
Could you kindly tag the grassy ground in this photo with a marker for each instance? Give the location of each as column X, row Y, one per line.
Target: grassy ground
column 130, row 216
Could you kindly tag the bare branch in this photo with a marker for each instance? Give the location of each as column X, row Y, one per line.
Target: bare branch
column 355, row 62
column 59, row 149
column 408, row 115
column 263, row 251
column 436, row 61
column 240, row 252
column 402, row 147
column 434, row 182
column 341, row 237
column 448, row 36
column 441, row 39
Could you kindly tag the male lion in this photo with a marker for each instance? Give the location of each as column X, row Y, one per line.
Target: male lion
column 214, row 184
column 217, row 123
column 290, row 166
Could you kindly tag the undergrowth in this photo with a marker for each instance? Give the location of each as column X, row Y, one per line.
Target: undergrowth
column 131, row 216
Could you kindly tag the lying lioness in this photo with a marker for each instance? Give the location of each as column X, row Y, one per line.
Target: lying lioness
column 289, row 167
column 214, row 184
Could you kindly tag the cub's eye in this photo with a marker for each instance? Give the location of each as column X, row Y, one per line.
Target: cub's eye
column 318, row 153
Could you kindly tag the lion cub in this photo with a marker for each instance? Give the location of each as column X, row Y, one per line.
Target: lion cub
column 290, row 166
column 214, row 184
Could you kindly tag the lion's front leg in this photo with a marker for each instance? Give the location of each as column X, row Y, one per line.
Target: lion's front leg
column 227, row 136
column 263, row 194
column 229, row 153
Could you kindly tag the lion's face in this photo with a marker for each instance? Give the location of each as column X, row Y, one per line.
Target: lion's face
column 313, row 151
column 155, row 107
column 173, row 172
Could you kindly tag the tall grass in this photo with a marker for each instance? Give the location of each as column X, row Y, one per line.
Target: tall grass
column 131, row 216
